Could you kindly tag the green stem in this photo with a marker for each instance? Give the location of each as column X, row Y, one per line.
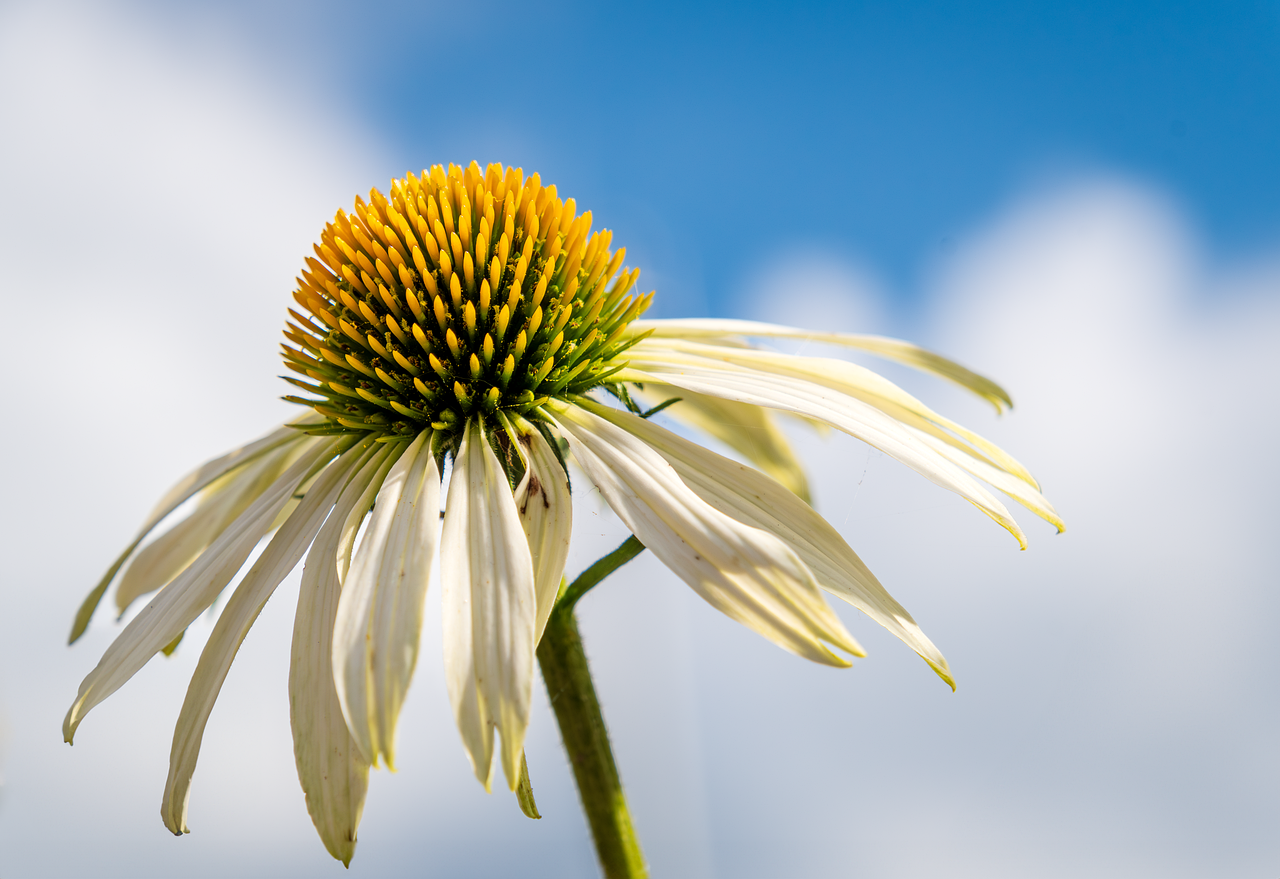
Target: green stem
column 586, row 741
column 631, row 547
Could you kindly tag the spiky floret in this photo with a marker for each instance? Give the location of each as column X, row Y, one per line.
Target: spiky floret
column 465, row 293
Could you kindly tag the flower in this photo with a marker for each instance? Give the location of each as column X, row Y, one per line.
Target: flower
column 473, row 317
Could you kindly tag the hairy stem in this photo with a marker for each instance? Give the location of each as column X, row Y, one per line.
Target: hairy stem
column 630, row 548
column 573, row 698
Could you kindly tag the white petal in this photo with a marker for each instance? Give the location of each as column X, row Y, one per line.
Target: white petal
column 841, row 411
column 186, row 487
column 1018, row 489
column 748, row 430
column 546, row 513
column 277, row 560
column 726, row 331
column 218, row 506
column 211, row 470
column 174, row 607
column 333, row 774
column 745, row 572
column 379, row 617
column 841, row 375
column 490, row 608
column 952, row 441
column 351, row 525
column 367, row 483
column 754, row 499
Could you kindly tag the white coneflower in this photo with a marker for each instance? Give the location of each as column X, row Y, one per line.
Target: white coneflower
column 474, row 317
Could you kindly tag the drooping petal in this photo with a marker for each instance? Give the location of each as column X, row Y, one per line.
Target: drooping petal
column 211, row 470
column 722, row 330
column 490, row 609
column 174, row 607
column 1018, row 489
column 952, row 441
column 355, row 519
column 277, row 560
column 841, row 411
column 546, row 512
column 754, row 499
column 333, row 773
column 218, row 506
column 748, row 430
column 848, row 378
column 185, row 488
column 379, row 616
column 743, row 571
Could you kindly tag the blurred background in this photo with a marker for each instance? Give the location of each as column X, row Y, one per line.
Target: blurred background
column 1080, row 200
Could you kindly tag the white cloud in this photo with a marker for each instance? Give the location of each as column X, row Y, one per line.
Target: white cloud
column 809, row 283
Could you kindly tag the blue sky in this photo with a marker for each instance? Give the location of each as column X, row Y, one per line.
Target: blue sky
column 881, row 130
column 1080, row 202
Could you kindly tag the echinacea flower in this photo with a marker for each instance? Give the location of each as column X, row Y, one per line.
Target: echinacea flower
column 474, row 319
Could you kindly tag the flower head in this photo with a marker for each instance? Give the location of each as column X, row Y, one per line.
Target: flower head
column 463, row 295
column 474, row 318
